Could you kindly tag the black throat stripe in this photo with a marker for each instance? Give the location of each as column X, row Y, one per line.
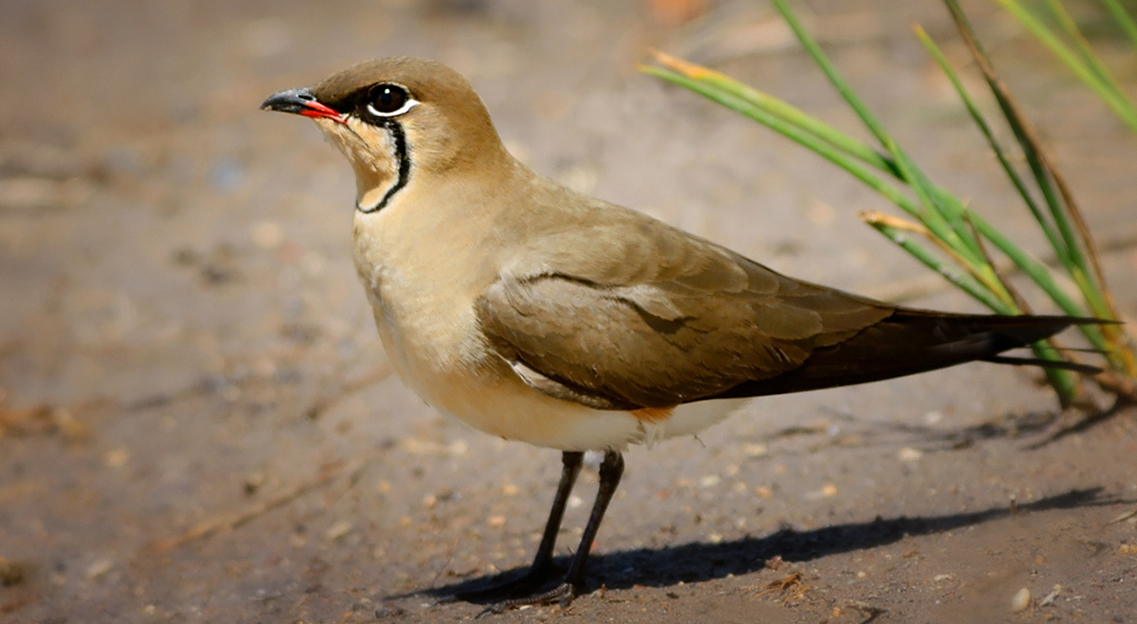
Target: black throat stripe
column 404, row 173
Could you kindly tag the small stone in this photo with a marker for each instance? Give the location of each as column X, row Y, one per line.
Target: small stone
column 909, row 454
column 754, row 450
column 338, row 530
column 1021, row 600
column 1049, row 598
column 826, row 491
column 496, row 521
column 99, row 568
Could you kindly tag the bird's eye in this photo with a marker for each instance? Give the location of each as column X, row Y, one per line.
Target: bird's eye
column 388, row 100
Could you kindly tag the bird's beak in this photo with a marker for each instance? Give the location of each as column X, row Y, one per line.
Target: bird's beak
column 300, row 102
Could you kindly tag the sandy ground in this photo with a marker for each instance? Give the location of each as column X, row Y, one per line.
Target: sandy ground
column 201, row 426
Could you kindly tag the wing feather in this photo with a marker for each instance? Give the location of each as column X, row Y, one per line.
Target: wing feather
column 636, row 314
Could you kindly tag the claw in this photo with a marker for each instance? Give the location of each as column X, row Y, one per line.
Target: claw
column 562, row 594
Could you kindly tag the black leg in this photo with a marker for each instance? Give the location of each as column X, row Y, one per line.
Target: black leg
column 542, row 562
column 544, row 557
column 611, row 469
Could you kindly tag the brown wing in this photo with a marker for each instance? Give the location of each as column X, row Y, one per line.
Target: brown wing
column 634, row 313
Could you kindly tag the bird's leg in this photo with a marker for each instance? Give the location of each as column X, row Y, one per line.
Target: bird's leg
column 544, row 557
column 611, row 469
column 539, row 571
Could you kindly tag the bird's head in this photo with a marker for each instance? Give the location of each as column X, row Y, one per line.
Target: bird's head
column 396, row 119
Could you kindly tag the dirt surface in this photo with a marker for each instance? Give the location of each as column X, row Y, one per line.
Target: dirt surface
column 199, row 424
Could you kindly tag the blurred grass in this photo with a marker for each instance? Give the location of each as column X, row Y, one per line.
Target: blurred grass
column 942, row 232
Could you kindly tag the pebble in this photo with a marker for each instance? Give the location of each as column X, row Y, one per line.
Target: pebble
column 909, row 454
column 338, row 530
column 1021, row 600
column 710, row 481
column 754, row 450
column 1049, row 598
column 825, row 492
column 99, row 568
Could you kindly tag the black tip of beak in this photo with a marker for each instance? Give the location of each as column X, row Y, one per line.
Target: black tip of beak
column 290, row 101
column 301, row 102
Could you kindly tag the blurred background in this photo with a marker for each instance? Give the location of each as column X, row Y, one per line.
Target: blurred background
column 197, row 422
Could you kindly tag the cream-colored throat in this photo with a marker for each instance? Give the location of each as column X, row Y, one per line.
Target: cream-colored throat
column 379, row 156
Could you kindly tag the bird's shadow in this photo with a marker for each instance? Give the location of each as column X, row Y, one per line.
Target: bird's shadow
column 701, row 561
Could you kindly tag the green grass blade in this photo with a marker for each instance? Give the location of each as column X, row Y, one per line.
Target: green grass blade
column 1062, row 381
column 1123, row 19
column 1041, row 276
column 1027, row 139
column 963, row 281
column 795, row 133
column 941, row 220
column 779, row 108
column 1119, row 104
column 827, row 150
column 1000, row 154
column 1089, row 57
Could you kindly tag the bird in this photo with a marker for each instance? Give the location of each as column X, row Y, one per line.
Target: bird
column 540, row 314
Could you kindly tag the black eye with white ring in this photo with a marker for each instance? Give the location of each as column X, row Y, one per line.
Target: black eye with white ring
column 388, row 100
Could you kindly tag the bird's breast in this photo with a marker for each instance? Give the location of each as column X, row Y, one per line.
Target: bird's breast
column 422, row 298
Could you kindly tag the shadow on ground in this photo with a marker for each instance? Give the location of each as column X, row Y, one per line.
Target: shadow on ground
column 699, row 562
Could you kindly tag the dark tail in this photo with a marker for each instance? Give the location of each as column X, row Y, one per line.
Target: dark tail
column 915, row 341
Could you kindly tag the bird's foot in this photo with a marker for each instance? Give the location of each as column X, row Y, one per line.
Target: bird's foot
column 562, row 594
column 509, row 589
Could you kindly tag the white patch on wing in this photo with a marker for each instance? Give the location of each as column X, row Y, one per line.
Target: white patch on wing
column 528, row 375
